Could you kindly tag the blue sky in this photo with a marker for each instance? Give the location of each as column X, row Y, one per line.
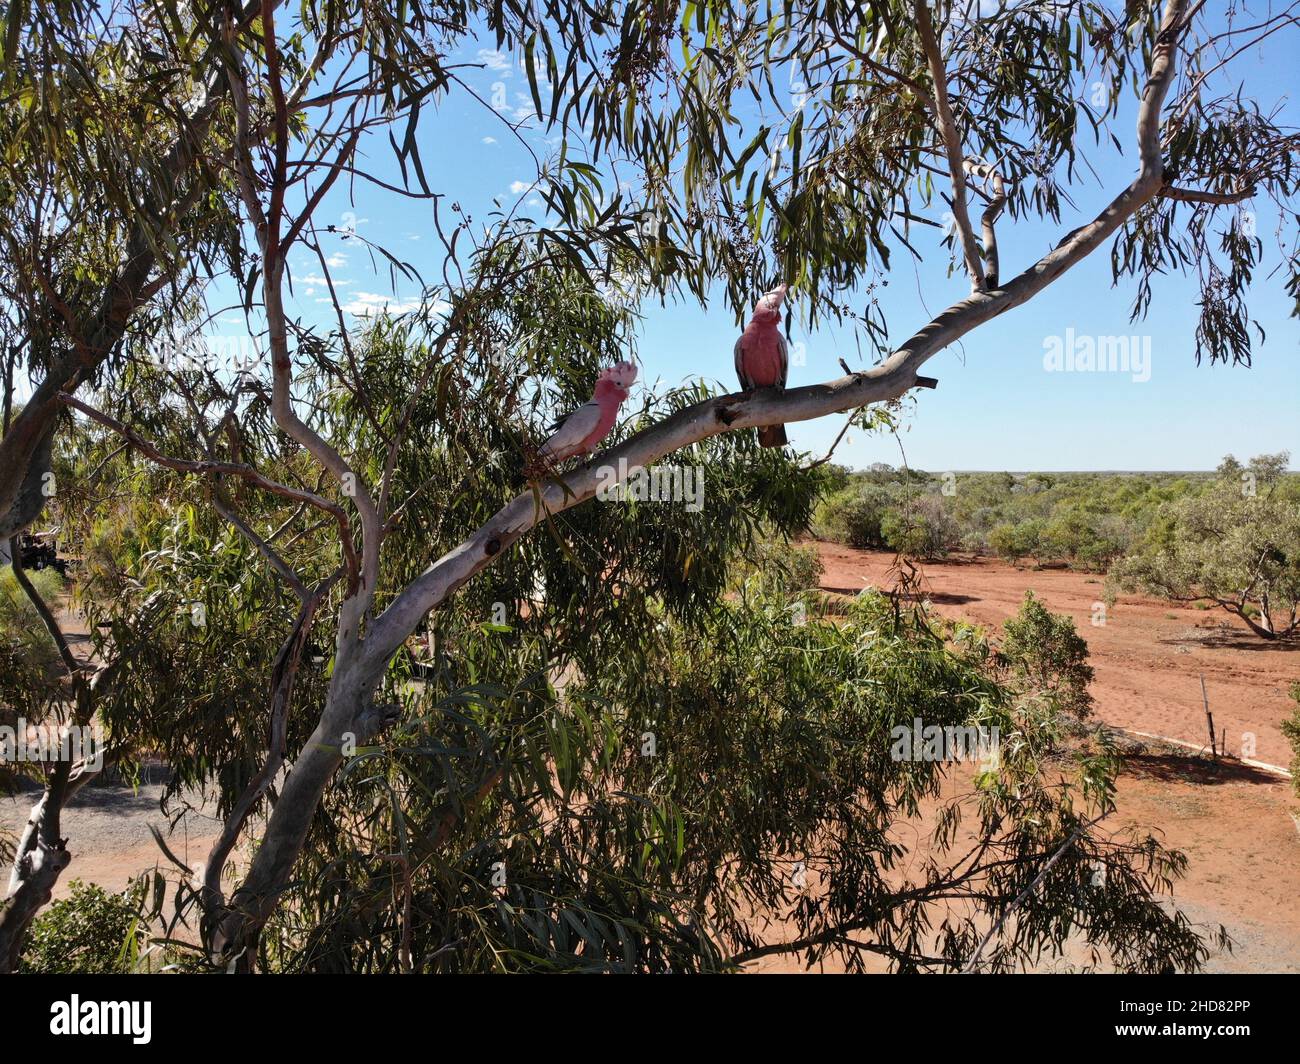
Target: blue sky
column 996, row 406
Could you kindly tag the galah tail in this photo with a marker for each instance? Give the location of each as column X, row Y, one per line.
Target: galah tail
column 590, row 423
column 763, row 358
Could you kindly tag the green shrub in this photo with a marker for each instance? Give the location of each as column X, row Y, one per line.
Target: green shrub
column 1291, row 729
column 804, row 566
column 853, row 517
column 1049, row 657
column 1234, row 543
column 1014, row 542
column 1079, row 538
column 1088, row 520
column 90, row 932
column 783, row 567
column 920, row 528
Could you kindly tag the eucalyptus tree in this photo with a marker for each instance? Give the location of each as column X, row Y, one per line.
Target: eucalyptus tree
column 901, row 109
column 1234, row 543
column 117, row 176
column 119, row 188
column 52, row 703
column 190, row 651
column 726, row 796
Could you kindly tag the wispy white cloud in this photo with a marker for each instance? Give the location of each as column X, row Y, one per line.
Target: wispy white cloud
column 518, row 188
column 489, row 140
column 497, row 61
column 523, row 109
column 312, row 281
column 336, row 260
column 366, row 304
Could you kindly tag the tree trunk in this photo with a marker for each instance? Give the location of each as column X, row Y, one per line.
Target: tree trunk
column 22, row 485
column 349, row 714
column 43, row 866
column 40, row 857
column 1264, row 631
column 38, row 862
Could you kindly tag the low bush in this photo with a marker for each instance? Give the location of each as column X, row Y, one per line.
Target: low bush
column 91, row 932
column 1048, row 656
column 1291, row 729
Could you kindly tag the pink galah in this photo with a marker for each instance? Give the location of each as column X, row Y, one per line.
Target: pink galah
column 763, row 357
column 590, row 423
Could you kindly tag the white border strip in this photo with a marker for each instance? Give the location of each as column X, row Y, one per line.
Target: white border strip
column 1277, row 769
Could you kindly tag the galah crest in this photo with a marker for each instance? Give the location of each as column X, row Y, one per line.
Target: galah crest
column 590, row 423
column 763, row 357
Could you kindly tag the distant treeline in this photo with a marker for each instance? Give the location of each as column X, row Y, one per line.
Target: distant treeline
column 1084, row 520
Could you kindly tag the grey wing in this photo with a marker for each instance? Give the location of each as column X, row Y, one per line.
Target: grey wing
column 745, row 383
column 785, row 361
column 574, row 429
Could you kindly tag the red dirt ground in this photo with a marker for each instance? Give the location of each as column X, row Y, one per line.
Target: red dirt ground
column 1238, row 825
column 1149, row 654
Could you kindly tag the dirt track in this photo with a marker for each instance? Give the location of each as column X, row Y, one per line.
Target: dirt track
column 107, row 828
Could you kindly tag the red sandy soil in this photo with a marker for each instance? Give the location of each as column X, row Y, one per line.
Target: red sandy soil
column 1149, row 654
column 1239, row 826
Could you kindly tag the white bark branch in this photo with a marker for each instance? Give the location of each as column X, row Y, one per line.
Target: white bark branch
column 988, row 220
column 274, row 250
column 1193, row 195
column 890, row 380
column 951, row 143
